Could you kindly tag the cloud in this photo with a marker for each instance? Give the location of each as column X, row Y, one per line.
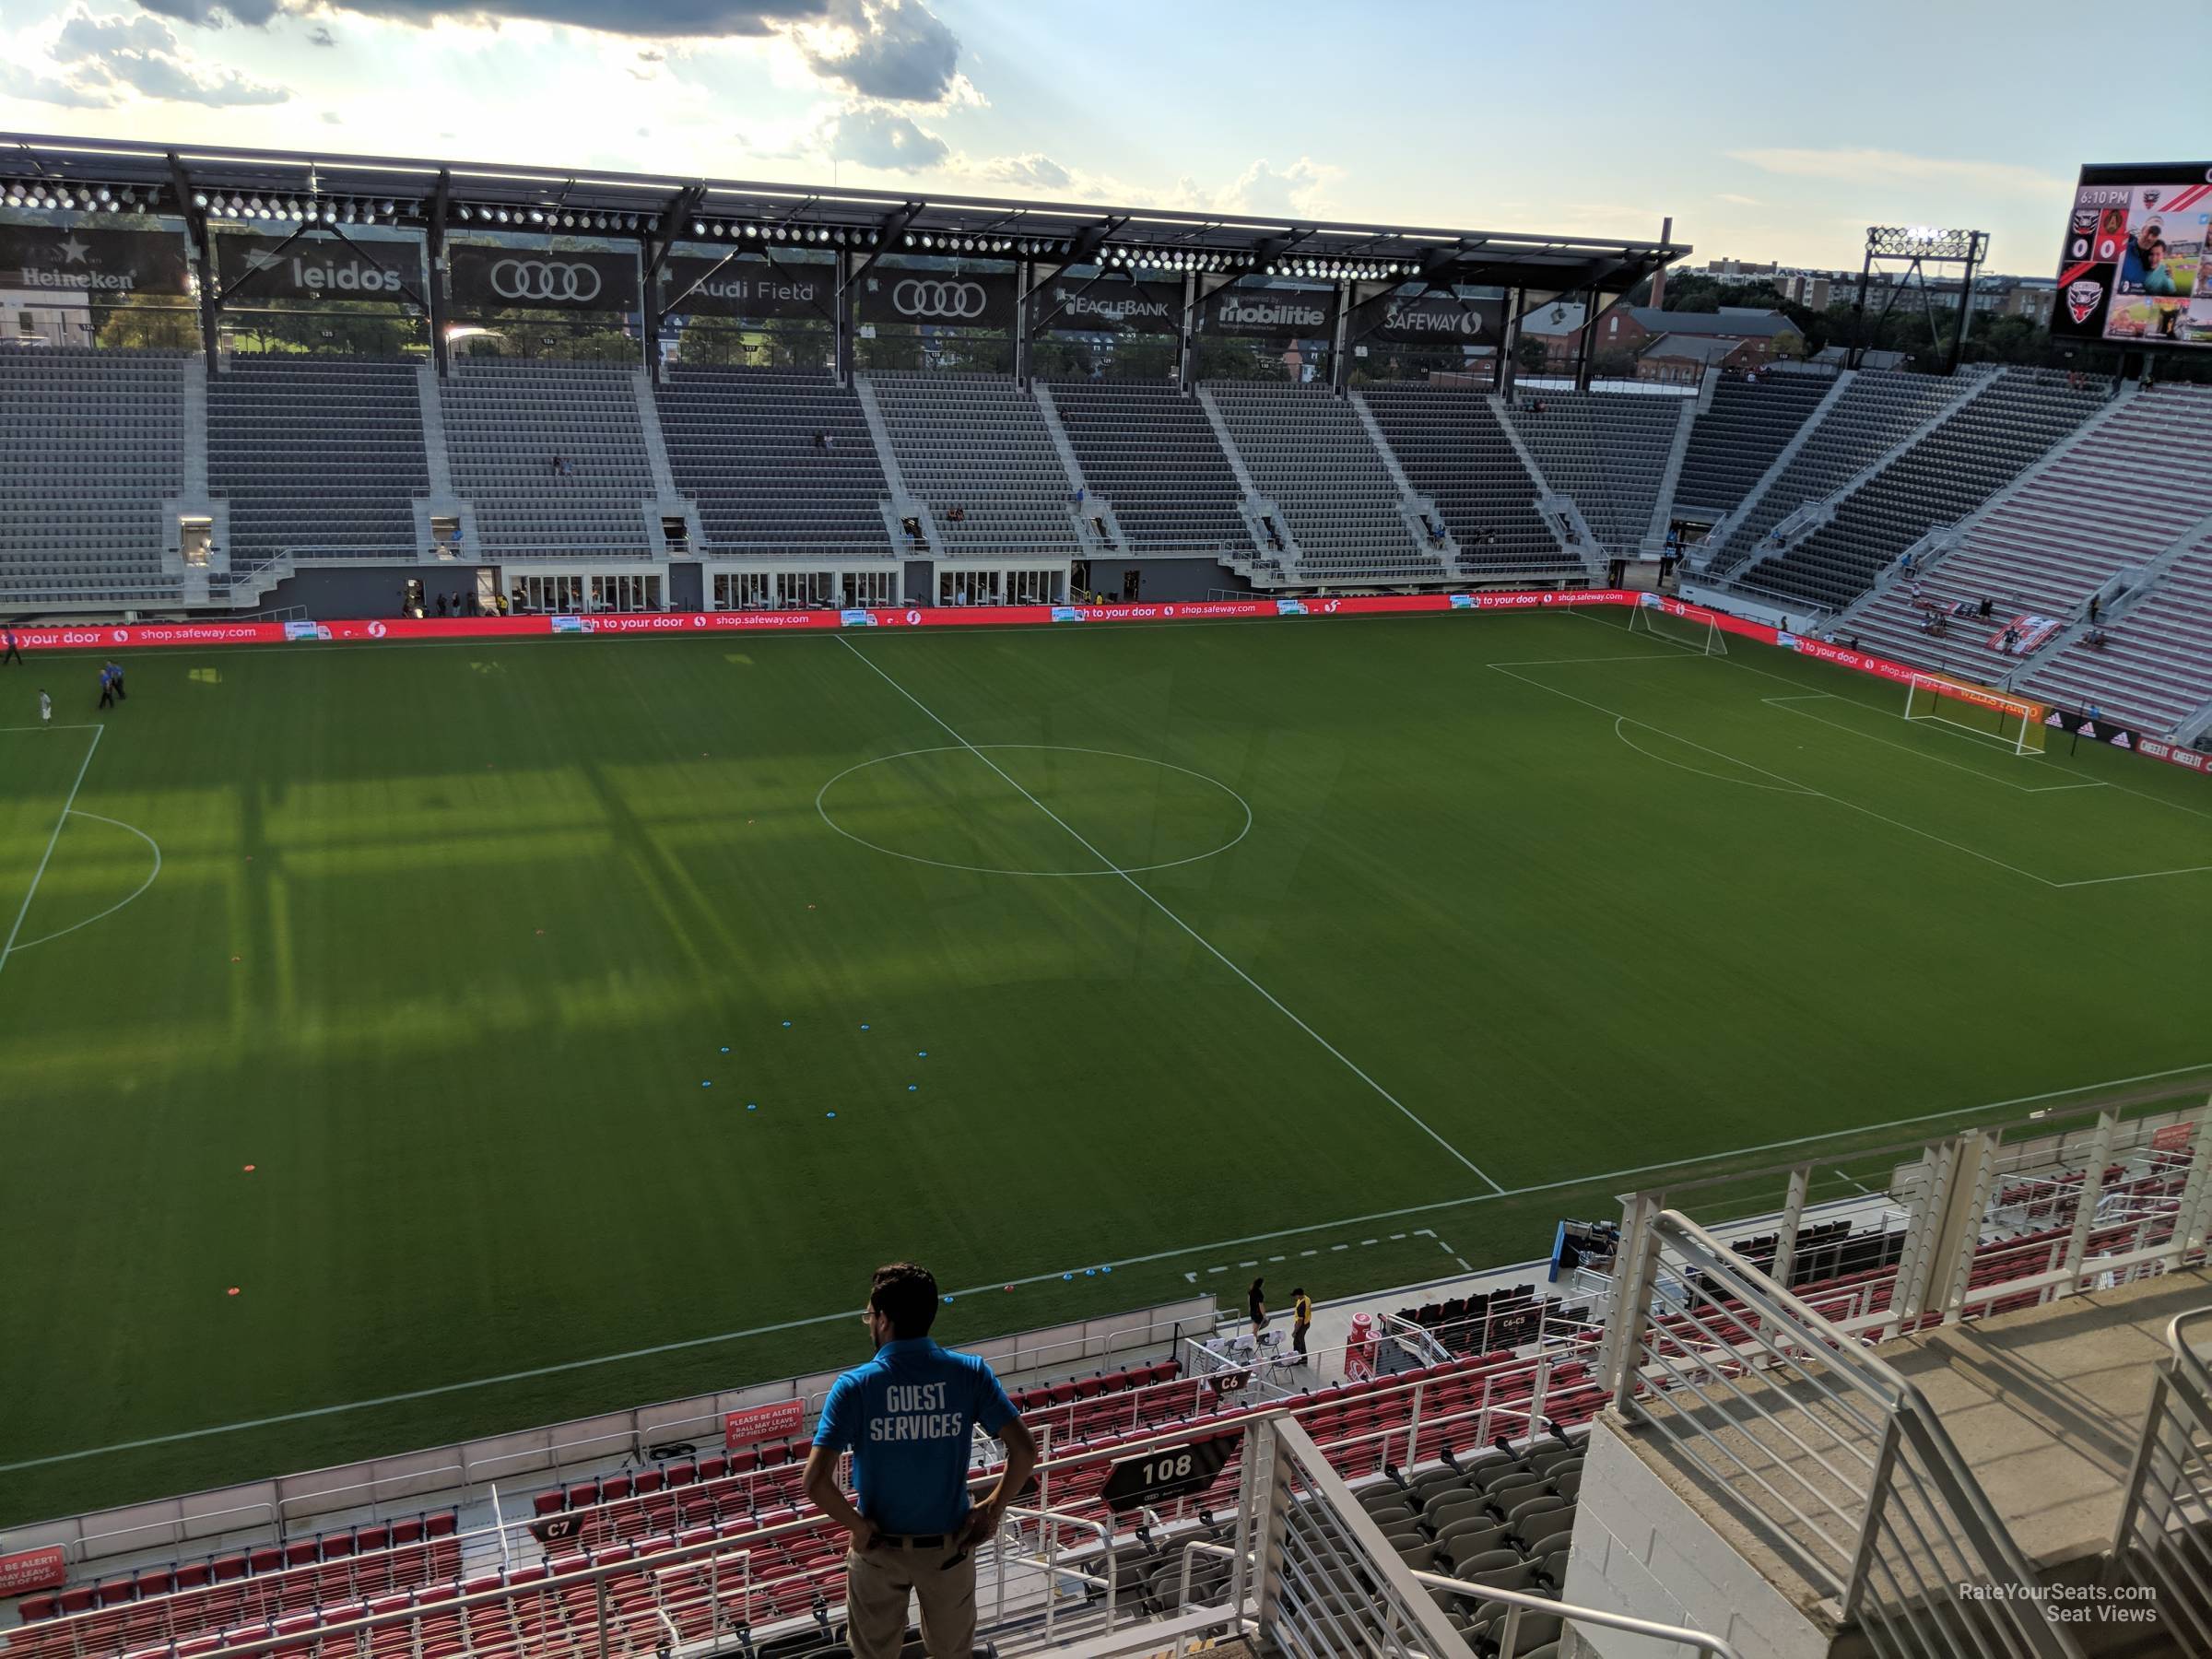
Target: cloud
column 1032, row 172
column 637, row 18
column 215, row 14
column 142, row 54
column 1738, row 201
column 19, row 82
column 1893, row 167
column 896, row 50
column 1293, row 192
column 883, row 140
column 331, row 118
column 321, row 36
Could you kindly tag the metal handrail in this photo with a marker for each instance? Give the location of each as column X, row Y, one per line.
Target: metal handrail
column 1907, row 1423
column 1525, row 1601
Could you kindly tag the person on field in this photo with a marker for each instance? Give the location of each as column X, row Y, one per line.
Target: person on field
column 107, row 689
column 15, row 652
column 906, row 1417
column 1301, row 1319
column 45, row 709
column 116, row 679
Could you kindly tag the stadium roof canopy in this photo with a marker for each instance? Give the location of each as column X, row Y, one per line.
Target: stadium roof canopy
column 289, row 186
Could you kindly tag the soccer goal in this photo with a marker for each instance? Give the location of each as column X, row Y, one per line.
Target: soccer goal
column 2006, row 722
column 1687, row 626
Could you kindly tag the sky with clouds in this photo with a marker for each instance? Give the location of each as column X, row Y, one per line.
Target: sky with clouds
column 1766, row 133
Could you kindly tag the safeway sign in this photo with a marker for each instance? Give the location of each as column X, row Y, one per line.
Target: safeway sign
column 754, row 1423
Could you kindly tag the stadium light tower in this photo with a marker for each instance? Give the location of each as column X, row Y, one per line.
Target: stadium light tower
column 1920, row 246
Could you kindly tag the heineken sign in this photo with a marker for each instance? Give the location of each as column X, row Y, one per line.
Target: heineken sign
column 110, row 266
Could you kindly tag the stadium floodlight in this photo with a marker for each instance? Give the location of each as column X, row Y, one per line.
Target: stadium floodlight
column 698, row 227
column 753, row 230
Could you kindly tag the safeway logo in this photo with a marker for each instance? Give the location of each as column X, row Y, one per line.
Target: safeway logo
column 120, row 635
column 377, row 630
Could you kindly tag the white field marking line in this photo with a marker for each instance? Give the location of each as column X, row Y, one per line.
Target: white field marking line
column 1839, row 1176
column 1822, row 794
column 1137, row 1261
column 1700, row 771
column 1626, row 656
column 83, row 726
column 40, row 873
column 2034, row 759
column 1063, row 748
column 2139, row 876
column 1191, row 1277
column 1783, row 704
column 1806, row 697
column 111, row 909
column 1198, row 938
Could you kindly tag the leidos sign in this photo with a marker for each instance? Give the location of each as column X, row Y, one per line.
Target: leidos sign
column 98, row 263
column 318, row 268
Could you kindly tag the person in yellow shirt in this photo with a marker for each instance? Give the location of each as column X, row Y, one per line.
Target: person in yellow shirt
column 1301, row 1319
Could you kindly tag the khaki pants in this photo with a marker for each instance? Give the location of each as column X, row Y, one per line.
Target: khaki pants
column 877, row 1585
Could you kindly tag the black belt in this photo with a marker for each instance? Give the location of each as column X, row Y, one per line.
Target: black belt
column 915, row 1541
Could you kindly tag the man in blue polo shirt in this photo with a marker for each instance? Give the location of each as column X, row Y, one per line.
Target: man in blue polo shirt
column 906, row 1418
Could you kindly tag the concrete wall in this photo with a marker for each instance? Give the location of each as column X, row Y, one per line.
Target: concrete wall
column 1640, row 1550
column 1164, row 579
column 371, row 591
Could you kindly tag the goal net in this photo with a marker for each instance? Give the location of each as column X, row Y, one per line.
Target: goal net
column 2006, row 723
column 1695, row 630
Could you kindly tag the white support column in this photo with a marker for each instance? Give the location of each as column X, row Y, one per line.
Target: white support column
column 2092, row 1189
column 1963, row 1227
column 1632, row 1271
column 1793, row 1218
column 2194, row 1221
column 1923, row 1211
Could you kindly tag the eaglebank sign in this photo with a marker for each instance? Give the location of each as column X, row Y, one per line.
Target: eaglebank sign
column 370, row 631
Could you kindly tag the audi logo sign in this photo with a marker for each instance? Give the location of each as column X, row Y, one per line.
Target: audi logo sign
column 562, row 279
column 553, row 282
column 953, row 301
column 941, row 299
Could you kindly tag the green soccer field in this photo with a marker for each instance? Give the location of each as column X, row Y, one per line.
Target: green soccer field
column 594, row 1014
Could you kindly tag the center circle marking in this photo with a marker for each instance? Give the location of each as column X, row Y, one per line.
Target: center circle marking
column 983, row 748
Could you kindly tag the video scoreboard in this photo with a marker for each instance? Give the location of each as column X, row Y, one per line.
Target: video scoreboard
column 2133, row 269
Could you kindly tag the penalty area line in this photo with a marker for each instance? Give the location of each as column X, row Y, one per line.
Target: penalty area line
column 1216, row 1247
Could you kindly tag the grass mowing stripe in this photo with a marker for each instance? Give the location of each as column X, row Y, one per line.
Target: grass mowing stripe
column 1157, row 904
column 45, row 858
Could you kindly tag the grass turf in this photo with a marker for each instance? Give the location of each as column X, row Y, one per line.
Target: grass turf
column 448, row 944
